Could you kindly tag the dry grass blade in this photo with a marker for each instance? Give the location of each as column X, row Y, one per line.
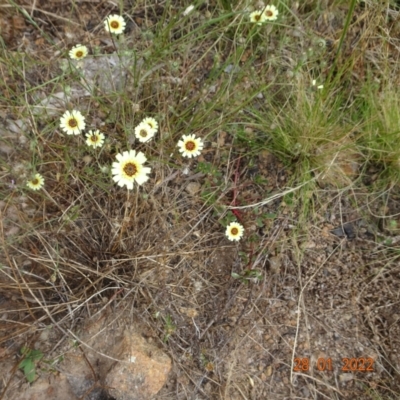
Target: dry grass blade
column 209, row 192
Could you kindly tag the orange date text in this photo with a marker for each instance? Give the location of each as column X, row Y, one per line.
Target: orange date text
column 361, row 364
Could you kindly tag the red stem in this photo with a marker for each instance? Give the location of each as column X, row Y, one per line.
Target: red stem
column 235, row 192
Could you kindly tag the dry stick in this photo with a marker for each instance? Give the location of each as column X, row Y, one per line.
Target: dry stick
column 240, row 391
column 86, row 302
column 271, row 241
column 299, row 311
column 219, row 314
column 9, row 381
column 320, row 382
column 163, row 182
column 233, row 364
column 66, row 332
column 13, row 372
column 110, row 301
column 23, row 8
column 254, row 264
column 245, row 305
column 275, row 196
column 235, row 192
column 95, row 377
column 207, row 211
column 237, row 212
column 125, row 222
column 94, row 336
column 14, row 269
column 17, row 364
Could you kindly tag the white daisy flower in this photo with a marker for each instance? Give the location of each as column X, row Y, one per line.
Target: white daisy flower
column 151, row 122
column 270, row 13
column 72, row 122
column 115, row 24
column 129, row 168
column 95, row 138
column 144, row 133
column 36, row 182
column 190, row 146
column 78, row 52
column 257, row 17
column 234, row 231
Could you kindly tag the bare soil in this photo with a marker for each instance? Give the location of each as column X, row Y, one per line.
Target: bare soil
column 322, row 323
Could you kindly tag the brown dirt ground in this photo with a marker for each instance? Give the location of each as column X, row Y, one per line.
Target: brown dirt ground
column 324, row 296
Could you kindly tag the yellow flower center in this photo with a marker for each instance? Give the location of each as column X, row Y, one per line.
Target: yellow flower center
column 190, row 146
column 257, row 17
column 130, row 169
column 143, row 133
column 35, row 181
column 114, row 24
column 234, row 231
column 79, row 54
column 94, row 138
column 73, row 123
column 269, row 13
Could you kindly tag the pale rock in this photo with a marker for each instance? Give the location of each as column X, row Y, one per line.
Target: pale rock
column 193, row 187
column 108, row 72
column 105, row 73
column 56, row 387
column 275, row 264
column 222, row 138
column 12, row 231
column 5, row 148
column 144, row 373
column 54, row 103
column 125, row 363
column 22, row 140
column 346, row 377
column 17, row 127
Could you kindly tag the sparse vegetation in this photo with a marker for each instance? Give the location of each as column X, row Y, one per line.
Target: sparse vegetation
column 30, row 358
column 133, row 136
